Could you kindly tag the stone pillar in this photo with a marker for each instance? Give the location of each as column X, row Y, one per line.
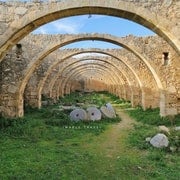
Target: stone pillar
column 168, row 103
column 32, row 99
column 124, row 92
column 67, row 88
column 150, row 99
column 31, row 92
column 117, row 90
column 127, row 93
column 120, row 91
column 136, row 97
column 9, row 107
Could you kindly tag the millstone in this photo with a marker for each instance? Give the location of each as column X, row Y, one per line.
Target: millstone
column 78, row 114
column 93, row 114
column 106, row 112
column 109, row 106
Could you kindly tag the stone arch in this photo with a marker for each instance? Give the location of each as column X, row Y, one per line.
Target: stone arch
column 41, row 84
column 98, row 60
column 102, row 60
column 85, row 65
column 81, row 68
column 86, row 51
column 86, row 6
column 78, row 61
column 90, row 51
column 20, row 99
column 86, row 70
column 67, row 67
column 153, row 19
column 76, row 38
column 114, row 57
column 108, row 38
column 98, row 84
column 98, row 72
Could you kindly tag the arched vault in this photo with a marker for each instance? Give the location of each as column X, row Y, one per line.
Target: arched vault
column 36, row 15
column 121, row 79
column 74, row 61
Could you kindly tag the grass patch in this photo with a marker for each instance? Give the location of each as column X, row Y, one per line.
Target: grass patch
column 149, row 121
column 45, row 144
column 165, row 164
column 152, row 117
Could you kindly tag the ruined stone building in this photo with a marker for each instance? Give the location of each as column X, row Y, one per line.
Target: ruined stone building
column 144, row 70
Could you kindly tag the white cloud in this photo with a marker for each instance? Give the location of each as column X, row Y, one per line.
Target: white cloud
column 72, row 25
column 66, row 27
column 41, row 30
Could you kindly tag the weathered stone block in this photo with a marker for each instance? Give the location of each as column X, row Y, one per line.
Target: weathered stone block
column 171, row 111
column 20, row 10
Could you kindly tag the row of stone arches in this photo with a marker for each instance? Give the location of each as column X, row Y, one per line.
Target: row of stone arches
column 67, row 57
column 153, row 87
column 71, row 39
column 76, row 53
column 122, row 75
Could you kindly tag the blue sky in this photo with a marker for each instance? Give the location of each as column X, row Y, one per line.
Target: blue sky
column 94, row 24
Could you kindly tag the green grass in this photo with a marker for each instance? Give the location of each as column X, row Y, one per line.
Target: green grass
column 45, row 144
column 165, row 164
column 149, row 120
column 152, row 117
column 87, row 98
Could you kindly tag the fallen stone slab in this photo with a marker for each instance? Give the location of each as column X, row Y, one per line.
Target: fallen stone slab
column 68, row 107
column 106, row 112
column 78, row 115
column 93, row 114
column 159, row 141
column 110, row 107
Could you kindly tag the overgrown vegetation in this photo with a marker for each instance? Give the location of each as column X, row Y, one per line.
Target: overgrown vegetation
column 85, row 98
column 150, row 120
column 37, row 122
column 45, row 144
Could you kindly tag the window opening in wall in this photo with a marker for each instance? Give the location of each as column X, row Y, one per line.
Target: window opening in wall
column 18, row 51
column 166, row 58
column 19, row 46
